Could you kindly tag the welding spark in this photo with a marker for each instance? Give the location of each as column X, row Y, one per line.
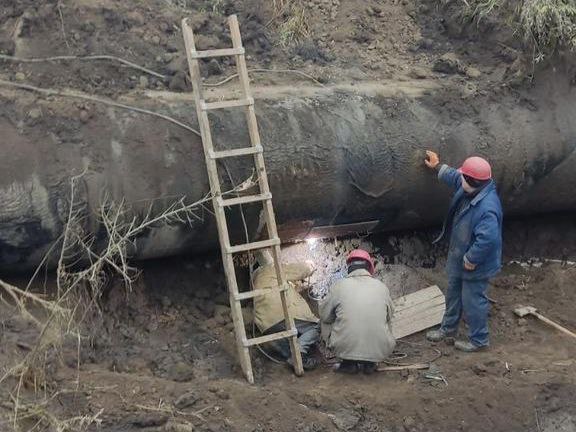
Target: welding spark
column 311, row 241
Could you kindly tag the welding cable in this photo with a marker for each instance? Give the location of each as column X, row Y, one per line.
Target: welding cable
column 398, row 355
column 264, row 353
column 433, row 359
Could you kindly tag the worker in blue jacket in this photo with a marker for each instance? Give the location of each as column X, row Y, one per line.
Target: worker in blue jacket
column 474, row 228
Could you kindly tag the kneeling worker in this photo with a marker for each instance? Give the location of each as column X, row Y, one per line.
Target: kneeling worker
column 357, row 313
column 268, row 311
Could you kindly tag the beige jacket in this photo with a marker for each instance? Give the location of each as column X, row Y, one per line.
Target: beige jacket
column 356, row 317
column 268, row 308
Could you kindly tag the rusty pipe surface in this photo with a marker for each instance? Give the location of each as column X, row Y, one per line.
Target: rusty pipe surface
column 337, row 155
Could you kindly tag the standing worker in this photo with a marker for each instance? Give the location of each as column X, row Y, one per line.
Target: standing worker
column 474, row 224
column 356, row 316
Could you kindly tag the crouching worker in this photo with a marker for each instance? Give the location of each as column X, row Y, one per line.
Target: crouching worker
column 356, row 317
column 268, row 312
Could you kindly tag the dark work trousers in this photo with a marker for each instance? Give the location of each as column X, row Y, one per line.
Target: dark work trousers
column 468, row 297
column 308, row 336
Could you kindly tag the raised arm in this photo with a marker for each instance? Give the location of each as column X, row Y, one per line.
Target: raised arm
column 448, row 175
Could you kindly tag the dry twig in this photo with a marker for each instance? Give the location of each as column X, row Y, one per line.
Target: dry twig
column 122, row 226
column 83, row 58
column 16, row 292
column 62, row 27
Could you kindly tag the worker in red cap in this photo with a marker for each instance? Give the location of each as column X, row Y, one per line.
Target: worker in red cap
column 356, row 315
column 474, row 228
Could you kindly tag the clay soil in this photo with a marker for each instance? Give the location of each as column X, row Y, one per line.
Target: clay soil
column 339, row 41
column 162, row 358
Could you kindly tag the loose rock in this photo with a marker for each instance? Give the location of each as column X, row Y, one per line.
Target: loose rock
column 419, row 73
column 143, row 81
column 187, row 400
column 35, row 113
column 448, row 64
column 146, row 420
column 181, row 372
column 178, row 427
column 345, row 419
column 479, row 369
column 472, row 72
column 214, row 67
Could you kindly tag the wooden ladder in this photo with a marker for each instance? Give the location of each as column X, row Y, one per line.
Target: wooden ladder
column 220, row 203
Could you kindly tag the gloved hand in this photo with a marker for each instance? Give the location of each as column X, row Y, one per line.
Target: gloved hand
column 432, row 160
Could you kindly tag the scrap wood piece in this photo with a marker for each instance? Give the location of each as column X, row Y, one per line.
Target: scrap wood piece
column 418, row 311
column 415, row 366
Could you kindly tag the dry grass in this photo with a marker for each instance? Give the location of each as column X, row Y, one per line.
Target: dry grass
column 215, row 6
column 546, row 26
column 291, row 19
column 37, row 417
column 549, row 24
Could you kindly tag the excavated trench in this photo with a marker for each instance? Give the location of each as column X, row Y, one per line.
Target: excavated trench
column 338, row 155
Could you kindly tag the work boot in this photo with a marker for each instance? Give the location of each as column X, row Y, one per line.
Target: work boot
column 368, row 367
column 467, row 346
column 309, row 363
column 439, row 335
column 347, row 367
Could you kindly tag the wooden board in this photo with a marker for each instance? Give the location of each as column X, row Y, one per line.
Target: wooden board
column 418, row 311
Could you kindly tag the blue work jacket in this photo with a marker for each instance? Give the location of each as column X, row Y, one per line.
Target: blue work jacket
column 475, row 232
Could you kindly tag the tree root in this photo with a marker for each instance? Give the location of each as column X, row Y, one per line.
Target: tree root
column 82, row 58
column 83, row 96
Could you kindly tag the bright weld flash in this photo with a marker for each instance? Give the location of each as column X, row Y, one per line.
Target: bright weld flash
column 311, row 241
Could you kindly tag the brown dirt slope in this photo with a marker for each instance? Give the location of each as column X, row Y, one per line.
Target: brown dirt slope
column 336, row 41
column 163, row 359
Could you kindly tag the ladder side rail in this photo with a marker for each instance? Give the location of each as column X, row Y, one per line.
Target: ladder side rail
column 265, row 188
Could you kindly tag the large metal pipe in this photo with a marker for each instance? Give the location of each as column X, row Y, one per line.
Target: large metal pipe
column 334, row 155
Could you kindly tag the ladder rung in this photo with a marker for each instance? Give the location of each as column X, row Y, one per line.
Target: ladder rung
column 258, row 292
column 236, row 152
column 245, row 199
column 217, row 53
column 271, row 337
column 227, row 104
column 256, row 245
